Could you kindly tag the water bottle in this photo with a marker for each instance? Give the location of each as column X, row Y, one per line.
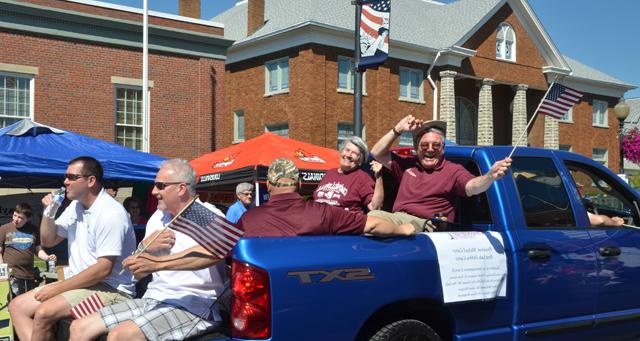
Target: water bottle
column 58, row 197
column 51, row 265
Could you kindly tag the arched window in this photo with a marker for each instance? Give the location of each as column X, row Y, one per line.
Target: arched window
column 506, row 43
column 466, row 122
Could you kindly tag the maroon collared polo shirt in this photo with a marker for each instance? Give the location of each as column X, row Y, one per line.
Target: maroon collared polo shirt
column 290, row 215
column 425, row 193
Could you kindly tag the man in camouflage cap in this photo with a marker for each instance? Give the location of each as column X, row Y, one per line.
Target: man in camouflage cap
column 288, row 214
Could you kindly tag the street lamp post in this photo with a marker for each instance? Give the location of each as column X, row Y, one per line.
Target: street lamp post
column 622, row 111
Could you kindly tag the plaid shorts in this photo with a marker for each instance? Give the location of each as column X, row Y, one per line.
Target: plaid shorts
column 156, row 320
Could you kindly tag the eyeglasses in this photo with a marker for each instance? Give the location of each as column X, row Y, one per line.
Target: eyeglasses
column 163, row 185
column 246, row 194
column 434, row 145
column 74, row 177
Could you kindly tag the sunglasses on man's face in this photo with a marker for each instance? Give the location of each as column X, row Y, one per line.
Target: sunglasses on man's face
column 163, row 185
column 74, row 177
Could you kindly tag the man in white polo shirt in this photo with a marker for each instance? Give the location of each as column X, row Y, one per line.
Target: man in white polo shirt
column 100, row 236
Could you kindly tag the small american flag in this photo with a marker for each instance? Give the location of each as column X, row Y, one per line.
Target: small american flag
column 88, row 306
column 374, row 33
column 559, row 100
column 216, row 234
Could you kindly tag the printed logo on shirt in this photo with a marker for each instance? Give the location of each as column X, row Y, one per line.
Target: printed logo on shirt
column 226, row 161
column 330, row 193
column 305, row 156
column 19, row 240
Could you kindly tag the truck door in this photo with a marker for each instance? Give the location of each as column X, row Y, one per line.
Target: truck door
column 556, row 261
column 617, row 247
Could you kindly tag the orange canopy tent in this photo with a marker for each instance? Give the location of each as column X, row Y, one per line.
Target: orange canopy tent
column 249, row 161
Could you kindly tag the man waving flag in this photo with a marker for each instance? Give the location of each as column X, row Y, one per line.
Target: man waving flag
column 374, row 33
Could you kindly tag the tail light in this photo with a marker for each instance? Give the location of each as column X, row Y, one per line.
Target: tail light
column 250, row 302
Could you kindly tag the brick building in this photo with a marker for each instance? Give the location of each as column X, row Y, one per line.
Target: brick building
column 77, row 65
column 290, row 71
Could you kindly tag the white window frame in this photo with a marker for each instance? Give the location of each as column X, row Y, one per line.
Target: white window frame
column 503, row 39
column 405, row 139
column 340, row 139
column 351, row 74
column 569, row 149
column 596, row 111
column 115, row 118
column 272, row 128
column 236, row 126
column 279, row 63
column 408, row 97
column 568, row 117
column 605, row 158
column 31, row 79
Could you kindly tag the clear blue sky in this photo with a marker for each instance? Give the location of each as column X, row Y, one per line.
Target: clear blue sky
column 602, row 34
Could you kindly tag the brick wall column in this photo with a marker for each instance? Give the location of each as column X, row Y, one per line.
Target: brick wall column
column 485, row 113
column 519, row 120
column 448, row 102
column 551, row 139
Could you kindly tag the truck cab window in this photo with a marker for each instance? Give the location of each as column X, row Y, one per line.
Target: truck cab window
column 543, row 197
column 474, row 210
column 602, row 195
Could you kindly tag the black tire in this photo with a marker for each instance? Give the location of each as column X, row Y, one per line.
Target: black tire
column 406, row 330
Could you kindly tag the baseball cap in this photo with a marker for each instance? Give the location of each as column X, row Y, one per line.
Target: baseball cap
column 282, row 168
column 435, row 124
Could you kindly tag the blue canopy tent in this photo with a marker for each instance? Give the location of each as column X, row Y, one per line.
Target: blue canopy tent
column 34, row 155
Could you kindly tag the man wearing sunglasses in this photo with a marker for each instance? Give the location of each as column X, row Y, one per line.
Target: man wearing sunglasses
column 244, row 192
column 187, row 279
column 100, row 236
column 429, row 184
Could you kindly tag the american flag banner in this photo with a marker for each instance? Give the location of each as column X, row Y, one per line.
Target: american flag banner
column 559, row 100
column 88, row 306
column 374, row 33
column 216, row 234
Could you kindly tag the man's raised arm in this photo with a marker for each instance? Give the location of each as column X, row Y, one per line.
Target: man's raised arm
column 380, row 150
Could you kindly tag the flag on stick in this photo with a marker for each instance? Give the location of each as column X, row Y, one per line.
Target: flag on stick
column 88, row 306
column 216, row 234
column 374, row 33
column 559, row 100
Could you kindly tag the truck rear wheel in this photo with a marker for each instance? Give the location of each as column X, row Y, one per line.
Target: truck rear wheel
column 406, row 330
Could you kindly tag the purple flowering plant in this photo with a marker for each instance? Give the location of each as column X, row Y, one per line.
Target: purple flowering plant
column 631, row 145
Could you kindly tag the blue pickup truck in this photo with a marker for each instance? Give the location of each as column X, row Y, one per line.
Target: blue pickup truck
column 566, row 279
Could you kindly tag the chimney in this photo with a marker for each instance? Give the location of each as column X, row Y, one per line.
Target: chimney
column 255, row 15
column 189, row 8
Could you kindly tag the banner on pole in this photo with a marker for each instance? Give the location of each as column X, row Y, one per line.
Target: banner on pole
column 374, row 33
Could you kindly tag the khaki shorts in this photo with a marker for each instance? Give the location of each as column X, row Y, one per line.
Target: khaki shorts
column 399, row 218
column 107, row 294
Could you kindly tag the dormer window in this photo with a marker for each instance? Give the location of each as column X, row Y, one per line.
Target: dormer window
column 506, row 43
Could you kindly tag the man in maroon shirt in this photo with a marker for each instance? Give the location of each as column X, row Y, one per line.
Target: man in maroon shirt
column 429, row 184
column 288, row 214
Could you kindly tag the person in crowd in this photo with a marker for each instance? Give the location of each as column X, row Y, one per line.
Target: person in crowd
column 288, row 214
column 111, row 188
column 19, row 242
column 100, row 236
column 348, row 186
column 244, row 192
column 187, row 279
column 133, row 205
column 429, row 184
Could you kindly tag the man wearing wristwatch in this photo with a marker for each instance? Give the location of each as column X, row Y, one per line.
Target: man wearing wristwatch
column 99, row 235
column 187, row 279
column 429, row 184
